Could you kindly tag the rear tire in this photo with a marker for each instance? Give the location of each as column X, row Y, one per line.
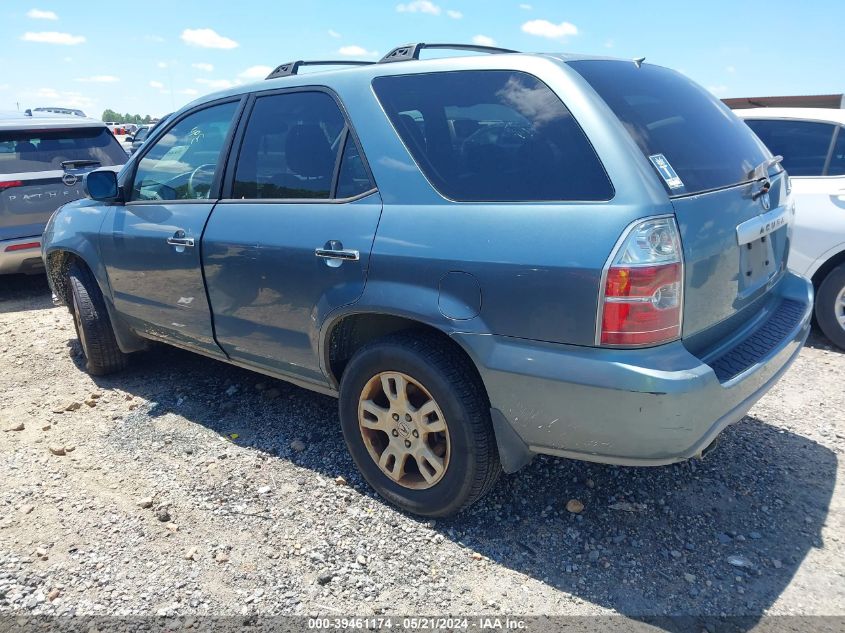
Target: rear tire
column 93, row 327
column 830, row 306
column 431, row 425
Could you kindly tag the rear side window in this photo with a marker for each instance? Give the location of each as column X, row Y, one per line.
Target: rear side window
column 490, row 135
column 692, row 139
column 837, row 159
column 290, row 150
column 45, row 150
column 803, row 144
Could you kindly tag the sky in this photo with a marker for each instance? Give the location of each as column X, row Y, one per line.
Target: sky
column 152, row 57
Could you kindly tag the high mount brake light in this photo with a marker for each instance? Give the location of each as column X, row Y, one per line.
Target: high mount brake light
column 641, row 298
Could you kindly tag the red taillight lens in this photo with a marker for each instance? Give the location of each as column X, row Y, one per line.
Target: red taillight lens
column 642, row 295
column 8, row 184
column 642, row 305
column 22, row 247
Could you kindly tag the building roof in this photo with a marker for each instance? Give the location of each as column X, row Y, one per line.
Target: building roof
column 836, row 101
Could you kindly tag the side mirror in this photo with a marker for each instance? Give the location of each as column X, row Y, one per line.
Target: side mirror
column 101, row 185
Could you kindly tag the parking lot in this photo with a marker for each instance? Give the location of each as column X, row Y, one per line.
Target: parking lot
column 184, row 486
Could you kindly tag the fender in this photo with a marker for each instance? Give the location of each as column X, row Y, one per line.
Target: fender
column 823, row 259
column 74, row 229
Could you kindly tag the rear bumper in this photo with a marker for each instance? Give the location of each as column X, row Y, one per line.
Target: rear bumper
column 14, row 259
column 637, row 407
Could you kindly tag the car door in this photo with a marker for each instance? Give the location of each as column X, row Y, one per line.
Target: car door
column 813, row 157
column 292, row 241
column 151, row 244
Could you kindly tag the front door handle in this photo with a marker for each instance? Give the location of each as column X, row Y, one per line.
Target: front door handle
column 180, row 241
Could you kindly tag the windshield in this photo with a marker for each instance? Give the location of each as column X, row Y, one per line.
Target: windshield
column 693, row 140
column 23, row 151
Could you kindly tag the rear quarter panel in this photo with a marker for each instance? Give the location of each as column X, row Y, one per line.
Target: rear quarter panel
column 538, row 266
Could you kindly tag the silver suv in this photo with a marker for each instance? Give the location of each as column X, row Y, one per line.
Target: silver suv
column 42, row 160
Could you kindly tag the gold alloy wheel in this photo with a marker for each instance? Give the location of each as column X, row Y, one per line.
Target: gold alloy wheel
column 404, row 430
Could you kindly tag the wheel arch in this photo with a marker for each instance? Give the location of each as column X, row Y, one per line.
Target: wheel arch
column 830, row 263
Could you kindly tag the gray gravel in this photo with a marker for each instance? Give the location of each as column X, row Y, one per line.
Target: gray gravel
column 185, row 486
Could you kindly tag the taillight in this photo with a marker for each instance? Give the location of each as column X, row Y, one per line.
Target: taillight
column 25, row 246
column 641, row 299
column 8, row 184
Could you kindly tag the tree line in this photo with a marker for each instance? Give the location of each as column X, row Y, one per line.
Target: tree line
column 117, row 117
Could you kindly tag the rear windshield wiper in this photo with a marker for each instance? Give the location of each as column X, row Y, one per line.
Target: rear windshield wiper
column 761, row 174
column 761, row 171
column 80, row 164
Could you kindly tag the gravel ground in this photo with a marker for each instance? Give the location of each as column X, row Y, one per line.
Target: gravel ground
column 185, row 486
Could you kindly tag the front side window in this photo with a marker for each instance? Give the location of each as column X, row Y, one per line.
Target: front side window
column 493, row 135
column 803, row 144
column 693, row 140
column 182, row 163
column 46, row 150
column 290, row 150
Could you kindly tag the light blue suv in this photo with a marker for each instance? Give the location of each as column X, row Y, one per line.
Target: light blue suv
column 484, row 257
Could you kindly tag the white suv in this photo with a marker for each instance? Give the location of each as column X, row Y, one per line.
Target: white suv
column 812, row 143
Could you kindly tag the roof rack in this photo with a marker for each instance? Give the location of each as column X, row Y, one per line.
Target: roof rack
column 292, row 68
column 412, row 51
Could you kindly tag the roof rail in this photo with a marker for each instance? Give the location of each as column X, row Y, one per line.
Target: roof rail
column 292, row 68
column 412, row 51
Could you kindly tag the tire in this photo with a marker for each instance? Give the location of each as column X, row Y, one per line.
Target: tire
column 830, row 306
column 93, row 327
column 449, row 469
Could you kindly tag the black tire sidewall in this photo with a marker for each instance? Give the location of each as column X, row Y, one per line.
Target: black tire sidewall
column 825, row 307
column 449, row 494
column 80, row 319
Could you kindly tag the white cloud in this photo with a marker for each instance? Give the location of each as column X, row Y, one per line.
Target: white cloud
column 189, row 92
column 455, row 15
column 38, row 14
column 333, row 33
column 203, row 66
column 216, row 84
column 525, row 7
column 483, row 40
column 157, row 85
column 162, row 64
column 254, row 73
column 419, row 6
column 53, row 37
column 99, row 79
column 67, row 99
column 356, row 51
column 609, row 43
column 731, row 69
column 207, row 38
column 4, row 86
column 544, row 28
column 154, row 38
column 719, row 90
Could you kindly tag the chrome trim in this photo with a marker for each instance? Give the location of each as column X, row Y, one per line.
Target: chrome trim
column 344, row 254
column 761, row 225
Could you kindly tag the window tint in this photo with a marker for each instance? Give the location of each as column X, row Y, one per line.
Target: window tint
column 837, row 160
column 803, row 144
column 24, row 151
column 677, row 124
column 493, row 136
column 182, row 163
column 352, row 179
column 290, row 149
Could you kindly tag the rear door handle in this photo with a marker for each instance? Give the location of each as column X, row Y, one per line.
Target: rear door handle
column 344, row 254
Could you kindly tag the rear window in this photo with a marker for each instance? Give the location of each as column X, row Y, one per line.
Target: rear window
column 692, row 139
column 497, row 136
column 25, row 151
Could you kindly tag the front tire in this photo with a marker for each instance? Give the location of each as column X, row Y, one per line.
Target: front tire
column 93, row 327
column 830, row 306
column 416, row 420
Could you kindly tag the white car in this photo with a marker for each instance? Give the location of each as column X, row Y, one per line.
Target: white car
column 812, row 143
